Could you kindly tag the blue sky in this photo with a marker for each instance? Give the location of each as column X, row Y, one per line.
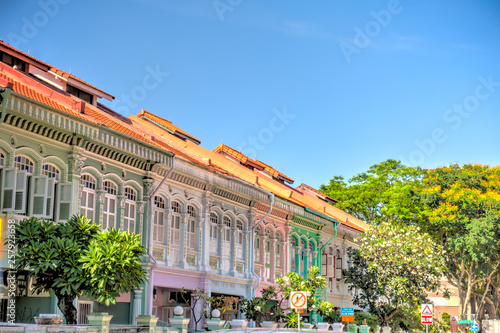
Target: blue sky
column 315, row 89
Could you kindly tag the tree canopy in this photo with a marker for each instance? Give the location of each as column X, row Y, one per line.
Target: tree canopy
column 75, row 258
column 463, row 214
column 393, row 268
column 384, row 193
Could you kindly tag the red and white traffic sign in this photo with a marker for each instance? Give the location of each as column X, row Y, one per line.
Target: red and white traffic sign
column 298, row 300
column 426, row 313
column 454, row 324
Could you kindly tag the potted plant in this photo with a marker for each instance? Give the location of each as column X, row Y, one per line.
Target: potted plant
column 265, row 310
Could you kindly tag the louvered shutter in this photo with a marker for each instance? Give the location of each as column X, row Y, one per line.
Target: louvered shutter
column 38, row 196
column 330, row 266
column 21, row 184
column 338, row 269
column 324, row 264
column 8, row 189
column 49, row 211
column 64, row 202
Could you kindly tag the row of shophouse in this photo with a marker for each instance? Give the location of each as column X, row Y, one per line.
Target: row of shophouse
column 214, row 219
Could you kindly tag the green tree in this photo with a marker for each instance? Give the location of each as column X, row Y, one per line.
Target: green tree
column 384, row 193
column 392, row 268
column 75, row 258
column 463, row 215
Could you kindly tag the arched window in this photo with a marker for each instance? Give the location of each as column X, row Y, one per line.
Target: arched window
column 176, row 224
column 130, row 209
column 191, row 228
column 159, row 219
column 43, row 190
column 293, row 255
column 338, row 266
column 2, row 159
column 87, row 199
column 310, row 256
column 175, row 232
column 109, row 207
column 17, row 193
column 51, row 171
column 239, row 237
column 24, row 163
column 227, row 229
column 257, row 245
column 214, row 236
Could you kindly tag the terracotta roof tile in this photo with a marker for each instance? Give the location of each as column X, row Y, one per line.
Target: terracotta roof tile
column 52, row 68
column 244, row 159
column 165, row 123
column 24, row 90
column 315, row 191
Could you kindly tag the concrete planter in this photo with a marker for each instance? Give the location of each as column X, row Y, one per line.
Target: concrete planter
column 237, row 324
column 48, row 320
column 323, row 326
column 268, row 324
column 338, row 327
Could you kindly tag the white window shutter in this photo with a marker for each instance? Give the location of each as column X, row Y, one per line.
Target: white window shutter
column 64, row 202
column 49, row 211
column 38, row 196
column 330, row 267
column 20, row 199
column 338, row 273
column 8, row 189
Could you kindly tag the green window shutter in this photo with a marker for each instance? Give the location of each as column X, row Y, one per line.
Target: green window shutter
column 21, row 189
column 49, row 211
column 64, row 201
column 8, row 189
column 38, row 196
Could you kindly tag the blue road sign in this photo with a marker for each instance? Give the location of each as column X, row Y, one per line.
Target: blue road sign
column 347, row 311
column 474, row 327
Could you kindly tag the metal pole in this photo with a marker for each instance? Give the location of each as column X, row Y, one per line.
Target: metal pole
column 298, row 321
column 426, row 328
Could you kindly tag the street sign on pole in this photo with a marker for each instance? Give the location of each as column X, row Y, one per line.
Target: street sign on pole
column 426, row 314
column 348, row 315
column 298, row 300
column 454, row 324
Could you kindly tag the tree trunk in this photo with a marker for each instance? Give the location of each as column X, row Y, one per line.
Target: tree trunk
column 65, row 304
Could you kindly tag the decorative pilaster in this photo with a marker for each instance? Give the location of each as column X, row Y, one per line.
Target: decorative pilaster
column 233, row 254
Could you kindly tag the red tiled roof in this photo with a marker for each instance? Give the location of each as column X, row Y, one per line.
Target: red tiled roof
column 52, row 68
column 165, row 123
column 315, row 191
column 24, row 90
column 244, row 159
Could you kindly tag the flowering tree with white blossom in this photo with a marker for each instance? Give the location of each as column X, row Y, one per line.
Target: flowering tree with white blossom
column 395, row 267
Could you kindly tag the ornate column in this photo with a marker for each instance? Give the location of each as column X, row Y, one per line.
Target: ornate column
column 198, row 239
column 232, row 261
column 272, row 274
column 141, row 211
column 146, row 214
column 166, row 236
column 100, row 205
column 183, row 239
column 120, row 212
column 204, row 250
column 246, row 252
column 220, row 245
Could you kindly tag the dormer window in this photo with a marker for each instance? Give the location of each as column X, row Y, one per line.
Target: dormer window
column 14, row 62
column 85, row 96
